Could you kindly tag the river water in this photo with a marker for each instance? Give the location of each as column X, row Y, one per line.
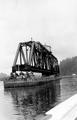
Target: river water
column 28, row 103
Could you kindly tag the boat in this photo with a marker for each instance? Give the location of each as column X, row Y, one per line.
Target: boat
column 33, row 58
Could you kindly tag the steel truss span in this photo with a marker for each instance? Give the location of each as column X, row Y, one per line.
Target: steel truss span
column 35, row 57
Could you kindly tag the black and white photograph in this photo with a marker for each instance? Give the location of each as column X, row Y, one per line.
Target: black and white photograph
column 38, row 59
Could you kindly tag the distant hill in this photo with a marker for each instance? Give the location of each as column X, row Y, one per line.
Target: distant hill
column 2, row 75
column 68, row 66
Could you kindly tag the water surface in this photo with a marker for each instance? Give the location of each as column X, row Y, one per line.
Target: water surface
column 28, row 103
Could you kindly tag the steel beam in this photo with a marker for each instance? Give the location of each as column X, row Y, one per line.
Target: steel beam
column 16, row 57
column 36, row 58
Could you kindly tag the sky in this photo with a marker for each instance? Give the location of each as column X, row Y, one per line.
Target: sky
column 52, row 22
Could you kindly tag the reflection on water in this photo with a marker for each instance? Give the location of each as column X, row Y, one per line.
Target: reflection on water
column 68, row 87
column 30, row 102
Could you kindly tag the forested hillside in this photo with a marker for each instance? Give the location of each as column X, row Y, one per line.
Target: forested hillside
column 68, row 66
column 3, row 76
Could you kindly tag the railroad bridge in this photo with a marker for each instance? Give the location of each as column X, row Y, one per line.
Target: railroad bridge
column 35, row 57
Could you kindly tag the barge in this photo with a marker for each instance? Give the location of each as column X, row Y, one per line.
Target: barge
column 33, row 57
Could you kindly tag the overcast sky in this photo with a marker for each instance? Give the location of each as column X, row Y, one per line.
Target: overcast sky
column 53, row 22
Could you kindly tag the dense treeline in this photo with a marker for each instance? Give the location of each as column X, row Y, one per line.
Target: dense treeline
column 68, row 66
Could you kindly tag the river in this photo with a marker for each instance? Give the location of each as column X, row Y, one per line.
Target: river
column 28, row 103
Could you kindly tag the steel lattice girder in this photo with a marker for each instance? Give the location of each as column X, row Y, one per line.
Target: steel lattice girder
column 36, row 58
